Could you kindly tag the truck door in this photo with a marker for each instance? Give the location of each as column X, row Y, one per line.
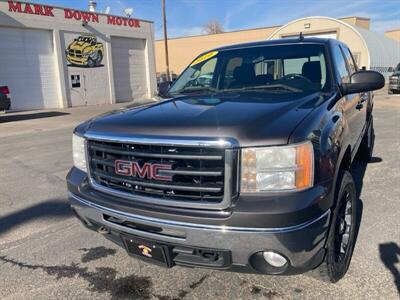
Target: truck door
column 351, row 108
column 360, row 100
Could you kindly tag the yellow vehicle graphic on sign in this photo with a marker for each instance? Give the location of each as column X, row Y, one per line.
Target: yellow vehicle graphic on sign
column 85, row 51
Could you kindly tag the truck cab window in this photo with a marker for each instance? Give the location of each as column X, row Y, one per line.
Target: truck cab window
column 230, row 68
column 341, row 65
column 350, row 60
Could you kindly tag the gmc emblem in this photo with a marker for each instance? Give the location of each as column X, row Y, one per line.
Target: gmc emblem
column 147, row 170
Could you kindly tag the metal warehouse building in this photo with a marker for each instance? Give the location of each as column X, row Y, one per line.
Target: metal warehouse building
column 53, row 57
column 371, row 50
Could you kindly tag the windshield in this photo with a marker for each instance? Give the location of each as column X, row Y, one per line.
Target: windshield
column 398, row 67
column 296, row 68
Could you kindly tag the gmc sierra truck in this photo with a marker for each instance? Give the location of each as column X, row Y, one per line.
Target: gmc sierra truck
column 394, row 80
column 243, row 167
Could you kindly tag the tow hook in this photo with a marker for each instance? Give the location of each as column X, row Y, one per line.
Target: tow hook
column 103, row 230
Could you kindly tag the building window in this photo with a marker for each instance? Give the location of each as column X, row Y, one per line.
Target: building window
column 76, row 81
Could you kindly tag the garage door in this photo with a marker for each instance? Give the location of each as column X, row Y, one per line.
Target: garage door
column 129, row 66
column 27, row 66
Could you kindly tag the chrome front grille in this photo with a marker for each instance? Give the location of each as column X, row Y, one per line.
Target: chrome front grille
column 76, row 53
column 201, row 177
column 394, row 80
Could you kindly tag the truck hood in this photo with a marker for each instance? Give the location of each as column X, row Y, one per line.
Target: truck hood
column 251, row 118
column 77, row 45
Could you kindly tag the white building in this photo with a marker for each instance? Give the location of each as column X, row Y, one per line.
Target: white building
column 53, row 57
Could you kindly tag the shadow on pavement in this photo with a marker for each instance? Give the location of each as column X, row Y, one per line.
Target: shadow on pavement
column 389, row 252
column 390, row 256
column 58, row 208
column 96, row 253
column 106, row 280
column 31, row 116
column 101, row 280
column 358, row 172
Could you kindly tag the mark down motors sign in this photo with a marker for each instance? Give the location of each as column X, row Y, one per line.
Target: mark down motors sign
column 89, row 17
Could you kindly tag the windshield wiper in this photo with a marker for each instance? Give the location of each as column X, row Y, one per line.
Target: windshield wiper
column 196, row 89
column 273, row 87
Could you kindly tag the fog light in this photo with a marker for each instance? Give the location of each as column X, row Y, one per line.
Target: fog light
column 274, row 259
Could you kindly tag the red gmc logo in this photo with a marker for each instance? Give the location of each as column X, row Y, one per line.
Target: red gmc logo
column 147, row 170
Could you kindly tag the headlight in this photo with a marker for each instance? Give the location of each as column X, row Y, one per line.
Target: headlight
column 277, row 168
column 85, row 54
column 79, row 152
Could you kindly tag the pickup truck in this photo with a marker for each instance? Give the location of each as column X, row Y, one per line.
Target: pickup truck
column 85, row 51
column 247, row 171
column 394, row 80
column 5, row 101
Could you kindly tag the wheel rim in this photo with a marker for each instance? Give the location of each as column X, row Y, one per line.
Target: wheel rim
column 344, row 223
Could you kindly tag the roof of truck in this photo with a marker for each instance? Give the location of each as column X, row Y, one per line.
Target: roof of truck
column 275, row 42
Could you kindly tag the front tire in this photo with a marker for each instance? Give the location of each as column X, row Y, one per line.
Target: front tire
column 91, row 63
column 342, row 232
column 99, row 58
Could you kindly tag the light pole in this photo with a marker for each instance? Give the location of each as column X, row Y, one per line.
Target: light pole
column 165, row 39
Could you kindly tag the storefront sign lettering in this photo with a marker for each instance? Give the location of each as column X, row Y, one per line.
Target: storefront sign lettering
column 45, row 10
column 32, row 9
column 81, row 15
column 122, row 21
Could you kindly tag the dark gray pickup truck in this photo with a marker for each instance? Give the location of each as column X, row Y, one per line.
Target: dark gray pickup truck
column 394, row 80
column 243, row 167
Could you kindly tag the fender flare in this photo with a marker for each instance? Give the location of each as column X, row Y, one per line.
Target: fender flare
column 335, row 142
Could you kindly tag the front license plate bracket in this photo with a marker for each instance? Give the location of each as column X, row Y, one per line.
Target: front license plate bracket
column 148, row 250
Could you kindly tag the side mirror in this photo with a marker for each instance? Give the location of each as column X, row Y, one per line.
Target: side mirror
column 363, row 81
column 163, row 88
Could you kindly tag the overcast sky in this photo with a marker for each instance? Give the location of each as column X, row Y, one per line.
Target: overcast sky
column 187, row 17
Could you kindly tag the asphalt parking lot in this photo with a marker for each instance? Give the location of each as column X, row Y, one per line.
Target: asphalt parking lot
column 46, row 254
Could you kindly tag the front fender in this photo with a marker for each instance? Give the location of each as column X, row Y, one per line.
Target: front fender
column 327, row 128
column 336, row 144
column 88, row 49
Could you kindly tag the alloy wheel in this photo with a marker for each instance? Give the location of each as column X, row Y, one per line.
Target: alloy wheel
column 344, row 223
